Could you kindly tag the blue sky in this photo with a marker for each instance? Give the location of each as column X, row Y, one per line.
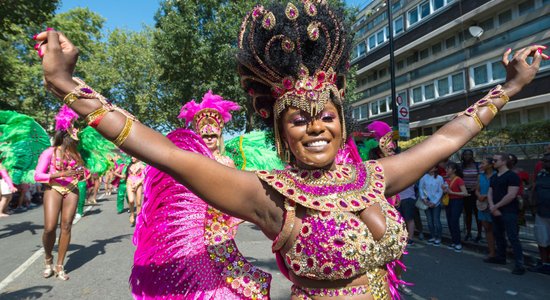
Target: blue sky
column 132, row 14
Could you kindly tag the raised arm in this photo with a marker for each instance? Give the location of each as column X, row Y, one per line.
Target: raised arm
column 235, row 192
column 405, row 168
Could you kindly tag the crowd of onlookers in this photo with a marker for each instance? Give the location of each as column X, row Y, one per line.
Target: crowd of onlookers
column 492, row 194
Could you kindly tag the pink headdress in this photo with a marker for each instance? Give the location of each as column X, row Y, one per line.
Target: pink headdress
column 209, row 116
column 383, row 134
column 64, row 121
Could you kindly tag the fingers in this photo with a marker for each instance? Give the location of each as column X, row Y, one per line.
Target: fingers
column 505, row 57
column 537, row 58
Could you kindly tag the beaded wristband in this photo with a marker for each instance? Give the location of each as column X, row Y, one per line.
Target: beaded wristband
column 487, row 101
column 123, row 135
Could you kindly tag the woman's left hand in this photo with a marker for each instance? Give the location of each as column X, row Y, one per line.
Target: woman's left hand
column 518, row 72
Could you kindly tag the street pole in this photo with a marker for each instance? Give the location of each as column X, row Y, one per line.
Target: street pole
column 393, row 103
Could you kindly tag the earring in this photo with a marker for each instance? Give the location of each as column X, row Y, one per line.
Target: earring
column 287, row 155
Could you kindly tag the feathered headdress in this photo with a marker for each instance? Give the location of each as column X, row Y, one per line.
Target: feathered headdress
column 64, row 121
column 383, row 134
column 209, row 116
column 294, row 55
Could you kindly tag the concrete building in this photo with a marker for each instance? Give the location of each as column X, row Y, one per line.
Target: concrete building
column 447, row 56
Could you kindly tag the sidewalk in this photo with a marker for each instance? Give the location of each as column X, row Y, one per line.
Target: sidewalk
column 526, row 236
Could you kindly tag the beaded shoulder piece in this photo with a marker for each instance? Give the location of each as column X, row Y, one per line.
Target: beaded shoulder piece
column 351, row 187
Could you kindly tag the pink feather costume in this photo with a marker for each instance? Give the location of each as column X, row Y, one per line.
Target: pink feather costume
column 185, row 248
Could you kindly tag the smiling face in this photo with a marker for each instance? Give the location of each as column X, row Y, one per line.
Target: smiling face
column 313, row 141
column 211, row 141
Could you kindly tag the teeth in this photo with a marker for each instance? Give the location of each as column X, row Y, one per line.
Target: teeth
column 317, row 144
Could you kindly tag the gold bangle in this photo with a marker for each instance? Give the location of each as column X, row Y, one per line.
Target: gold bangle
column 70, row 98
column 472, row 112
column 96, row 114
column 123, row 135
column 492, row 108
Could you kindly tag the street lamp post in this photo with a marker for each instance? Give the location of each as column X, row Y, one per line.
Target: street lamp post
column 393, row 103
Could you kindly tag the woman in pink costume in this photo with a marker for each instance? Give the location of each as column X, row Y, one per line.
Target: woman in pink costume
column 134, row 187
column 6, row 190
column 60, row 168
column 334, row 233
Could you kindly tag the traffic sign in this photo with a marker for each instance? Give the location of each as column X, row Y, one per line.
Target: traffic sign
column 404, row 112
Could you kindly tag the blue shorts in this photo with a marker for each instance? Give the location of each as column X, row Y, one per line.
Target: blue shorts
column 484, row 216
column 407, row 208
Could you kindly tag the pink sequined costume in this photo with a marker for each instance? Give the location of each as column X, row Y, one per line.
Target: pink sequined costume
column 185, row 248
column 49, row 161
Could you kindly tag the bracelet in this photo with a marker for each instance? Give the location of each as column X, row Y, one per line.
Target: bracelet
column 93, row 117
column 486, row 101
column 123, row 135
column 70, row 98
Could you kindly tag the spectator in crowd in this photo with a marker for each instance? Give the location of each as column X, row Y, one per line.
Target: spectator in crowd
column 524, row 183
column 407, row 209
column 504, row 207
column 457, row 191
column 541, row 195
column 441, row 168
column 24, row 200
column 482, row 204
column 430, row 189
column 470, row 169
column 539, row 164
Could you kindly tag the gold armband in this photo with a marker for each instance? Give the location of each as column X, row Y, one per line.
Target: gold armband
column 123, row 135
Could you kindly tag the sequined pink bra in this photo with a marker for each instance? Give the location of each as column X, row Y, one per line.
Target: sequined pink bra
column 333, row 242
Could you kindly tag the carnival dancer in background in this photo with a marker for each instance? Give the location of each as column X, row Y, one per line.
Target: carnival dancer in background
column 6, row 190
column 135, row 174
column 60, row 167
column 292, row 61
column 119, row 182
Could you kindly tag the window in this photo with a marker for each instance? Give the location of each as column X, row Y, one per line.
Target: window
column 382, row 73
column 487, row 72
column 436, row 48
column 427, row 131
column 374, row 108
column 535, row 114
column 417, row 95
column 361, row 49
column 499, row 72
column 505, row 17
column 424, row 9
column 424, row 53
column 443, row 87
column 513, row 118
column 457, row 82
column 437, row 4
column 398, row 25
column 450, row 42
column 396, row 6
column 413, row 16
column 480, row 75
column 364, row 111
column 400, row 64
column 355, row 113
column 383, row 105
column 380, row 37
column 412, row 59
column 429, row 91
column 361, row 32
column 487, row 25
column 372, row 42
column 526, row 7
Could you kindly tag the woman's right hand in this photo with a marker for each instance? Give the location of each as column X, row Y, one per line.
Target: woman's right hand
column 59, row 57
column 518, row 71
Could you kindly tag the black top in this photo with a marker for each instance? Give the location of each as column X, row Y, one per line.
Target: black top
column 500, row 185
column 542, row 191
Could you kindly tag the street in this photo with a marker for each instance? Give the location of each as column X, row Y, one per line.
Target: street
column 101, row 252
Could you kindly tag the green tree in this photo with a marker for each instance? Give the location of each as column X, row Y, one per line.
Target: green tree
column 126, row 72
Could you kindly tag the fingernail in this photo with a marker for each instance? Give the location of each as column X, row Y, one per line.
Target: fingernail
column 539, row 51
column 36, row 46
column 34, row 36
column 509, row 49
column 49, row 29
column 40, row 53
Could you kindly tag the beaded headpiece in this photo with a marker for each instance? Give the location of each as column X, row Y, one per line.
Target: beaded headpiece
column 293, row 55
column 64, row 121
column 209, row 116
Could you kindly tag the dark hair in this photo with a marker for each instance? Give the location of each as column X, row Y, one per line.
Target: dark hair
column 463, row 163
column 513, row 160
column 505, row 157
column 489, row 160
column 63, row 139
column 456, row 167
